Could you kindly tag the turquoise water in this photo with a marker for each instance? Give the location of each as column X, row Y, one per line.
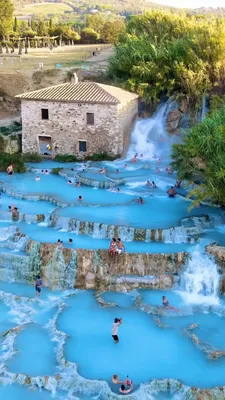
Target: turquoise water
column 156, row 212
column 145, row 350
column 24, row 206
column 57, row 187
column 65, row 332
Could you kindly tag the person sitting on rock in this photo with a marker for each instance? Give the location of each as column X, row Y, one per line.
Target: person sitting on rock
column 120, row 246
column 113, row 247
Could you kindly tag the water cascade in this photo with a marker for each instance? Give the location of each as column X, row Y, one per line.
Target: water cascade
column 200, row 280
column 204, row 108
column 149, row 136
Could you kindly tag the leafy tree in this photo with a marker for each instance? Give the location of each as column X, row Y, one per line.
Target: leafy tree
column 202, row 158
column 15, row 26
column 6, row 14
column 168, row 53
column 89, row 36
column 111, row 30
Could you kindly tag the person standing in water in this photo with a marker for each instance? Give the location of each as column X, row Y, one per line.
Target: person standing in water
column 38, row 285
column 117, row 322
column 171, row 192
column 10, row 170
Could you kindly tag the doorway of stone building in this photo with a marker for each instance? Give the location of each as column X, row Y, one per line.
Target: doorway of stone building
column 45, row 145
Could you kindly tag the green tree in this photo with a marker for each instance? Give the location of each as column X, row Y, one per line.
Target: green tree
column 89, row 36
column 6, row 14
column 201, row 158
column 15, row 26
column 111, row 31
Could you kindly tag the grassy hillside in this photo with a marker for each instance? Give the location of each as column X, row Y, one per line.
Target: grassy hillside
column 42, row 9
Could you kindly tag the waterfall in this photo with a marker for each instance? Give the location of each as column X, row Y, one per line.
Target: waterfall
column 126, row 233
column 149, row 136
column 62, row 223
column 100, row 230
column 204, row 108
column 200, row 280
column 7, row 232
column 177, row 234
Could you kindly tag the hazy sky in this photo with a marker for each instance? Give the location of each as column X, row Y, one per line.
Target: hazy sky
column 193, row 3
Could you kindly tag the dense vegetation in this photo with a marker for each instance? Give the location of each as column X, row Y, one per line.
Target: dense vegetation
column 167, row 53
column 202, row 158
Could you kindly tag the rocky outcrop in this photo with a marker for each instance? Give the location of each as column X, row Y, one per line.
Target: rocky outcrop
column 9, row 144
column 218, row 252
column 63, row 267
column 173, row 121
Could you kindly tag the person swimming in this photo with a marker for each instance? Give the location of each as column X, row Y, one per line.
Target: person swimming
column 154, row 185
column 124, row 390
column 117, row 171
column 140, row 200
column 102, row 171
column 77, row 184
column 69, row 182
column 80, row 198
column 148, row 183
column 166, row 304
column 125, row 165
column 37, row 178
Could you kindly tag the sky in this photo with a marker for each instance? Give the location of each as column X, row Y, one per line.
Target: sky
column 192, row 3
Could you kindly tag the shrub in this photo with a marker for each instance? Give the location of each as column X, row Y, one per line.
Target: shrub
column 66, row 158
column 16, row 159
column 32, row 157
column 103, row 156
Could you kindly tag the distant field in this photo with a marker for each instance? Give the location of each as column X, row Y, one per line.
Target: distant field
column 43, row 8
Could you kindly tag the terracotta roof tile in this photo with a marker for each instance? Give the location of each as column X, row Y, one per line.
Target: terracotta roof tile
column 81, row 92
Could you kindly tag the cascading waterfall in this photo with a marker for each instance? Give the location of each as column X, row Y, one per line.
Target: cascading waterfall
column 149, row 136
column 204, row 108
column 200, row 280
column 7, row 232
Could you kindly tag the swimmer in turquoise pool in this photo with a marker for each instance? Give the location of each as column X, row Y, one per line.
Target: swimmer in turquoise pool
column 126, row 390
column 166, row 304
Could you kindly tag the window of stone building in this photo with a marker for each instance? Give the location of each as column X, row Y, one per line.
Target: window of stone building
column 44, row 113
column 90, row 119
column 82, row 145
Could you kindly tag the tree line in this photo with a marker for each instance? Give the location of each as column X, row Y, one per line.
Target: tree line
column 96, row 28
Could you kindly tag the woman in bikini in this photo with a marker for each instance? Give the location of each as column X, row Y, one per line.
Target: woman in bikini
column 113, row 247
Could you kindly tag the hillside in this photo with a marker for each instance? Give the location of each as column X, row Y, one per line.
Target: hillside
column 69, row 8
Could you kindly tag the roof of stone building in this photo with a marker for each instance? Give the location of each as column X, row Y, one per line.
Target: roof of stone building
column 81, row 92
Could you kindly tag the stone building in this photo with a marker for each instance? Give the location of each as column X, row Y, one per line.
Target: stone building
column 74, row 118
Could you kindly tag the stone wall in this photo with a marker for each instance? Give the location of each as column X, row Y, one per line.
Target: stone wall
column 67, row 126
column 127, row 116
